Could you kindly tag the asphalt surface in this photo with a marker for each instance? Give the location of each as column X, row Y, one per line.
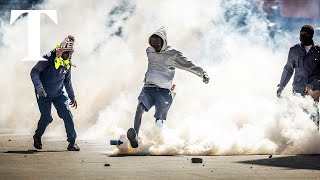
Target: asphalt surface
column 19, row 160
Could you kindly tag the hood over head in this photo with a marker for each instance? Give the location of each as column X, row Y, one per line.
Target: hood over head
column 161, row 32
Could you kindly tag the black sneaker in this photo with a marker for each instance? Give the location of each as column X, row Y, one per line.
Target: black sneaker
column 37, row 142
column 133, row 138
column 73, row 147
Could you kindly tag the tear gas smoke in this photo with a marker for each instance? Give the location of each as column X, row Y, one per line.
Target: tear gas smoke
column 236, row 113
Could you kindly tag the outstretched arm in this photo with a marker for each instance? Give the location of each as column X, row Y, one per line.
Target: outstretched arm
column 181, row 62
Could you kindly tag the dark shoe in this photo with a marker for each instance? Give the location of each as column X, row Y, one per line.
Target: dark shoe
column 73, row 147
column 37, row 142
column 133, row 138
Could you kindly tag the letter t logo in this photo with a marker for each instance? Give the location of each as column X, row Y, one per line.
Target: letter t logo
column 34, row 30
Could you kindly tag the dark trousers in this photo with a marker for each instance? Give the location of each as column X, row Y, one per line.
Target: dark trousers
column 63, row 110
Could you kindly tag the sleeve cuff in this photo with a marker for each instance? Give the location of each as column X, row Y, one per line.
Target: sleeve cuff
column 72, row 98
column 39, row 87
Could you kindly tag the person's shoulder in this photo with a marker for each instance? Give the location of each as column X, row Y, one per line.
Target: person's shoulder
column 173, row 51
column 317, row 47
column 150, row 50
column 298, row 45
column 296, row 48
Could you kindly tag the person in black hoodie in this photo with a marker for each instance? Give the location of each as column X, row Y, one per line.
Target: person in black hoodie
column 304, row 60
column 49, row 77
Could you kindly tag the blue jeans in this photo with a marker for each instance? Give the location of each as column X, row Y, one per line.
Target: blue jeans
column 63, row 110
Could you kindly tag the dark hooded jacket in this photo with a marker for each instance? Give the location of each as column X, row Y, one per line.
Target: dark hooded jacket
column 45, row 75
column 306, row 68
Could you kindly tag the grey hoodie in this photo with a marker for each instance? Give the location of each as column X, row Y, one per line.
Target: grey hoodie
column 161, row 65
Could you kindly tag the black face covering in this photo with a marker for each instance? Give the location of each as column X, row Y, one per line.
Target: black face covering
column 306, row 39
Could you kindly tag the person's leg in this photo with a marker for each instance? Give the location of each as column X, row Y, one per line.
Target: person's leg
column 44, row 105
column 146, row 101
column 137, row 119
column 63, row 109
column 162, row 106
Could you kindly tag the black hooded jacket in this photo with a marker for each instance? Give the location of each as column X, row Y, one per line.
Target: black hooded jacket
column 306, row 67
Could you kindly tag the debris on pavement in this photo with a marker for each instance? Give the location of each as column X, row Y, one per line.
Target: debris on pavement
column 196, row 160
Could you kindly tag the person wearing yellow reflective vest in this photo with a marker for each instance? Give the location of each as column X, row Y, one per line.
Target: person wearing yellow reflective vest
column 49, row 77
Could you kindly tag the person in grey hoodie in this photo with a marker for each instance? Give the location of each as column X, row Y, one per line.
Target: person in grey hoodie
column 49, row 77
column 304, row 60
column 162, row 62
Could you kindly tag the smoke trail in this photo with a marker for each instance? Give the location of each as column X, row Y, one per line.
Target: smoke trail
column 237, row 113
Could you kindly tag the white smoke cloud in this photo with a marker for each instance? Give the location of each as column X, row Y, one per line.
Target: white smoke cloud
column 236, row 113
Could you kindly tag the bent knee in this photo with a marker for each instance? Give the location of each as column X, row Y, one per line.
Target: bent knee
column 47, row 119
column 141, row 107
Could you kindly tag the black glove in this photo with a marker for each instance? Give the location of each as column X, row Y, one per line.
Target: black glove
column 73, row 103
column 279, row 91
column 41, row 92
column 205, row 78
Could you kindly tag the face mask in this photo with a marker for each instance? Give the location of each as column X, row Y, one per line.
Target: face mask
column 305, row 39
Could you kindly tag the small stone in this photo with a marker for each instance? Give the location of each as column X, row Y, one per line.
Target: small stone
column 196, row 160
column 270, row 156
column 106, row 164
column 82, row 160
column 9, row 139
column 202, row 165
column 211, row 171
column 25, row 155
column 250, row 167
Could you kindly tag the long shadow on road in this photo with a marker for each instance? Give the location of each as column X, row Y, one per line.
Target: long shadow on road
column 127, row 155
column 310, row 162
column 31, row 151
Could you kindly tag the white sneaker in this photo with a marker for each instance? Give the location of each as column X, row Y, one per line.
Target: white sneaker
column 160, row 123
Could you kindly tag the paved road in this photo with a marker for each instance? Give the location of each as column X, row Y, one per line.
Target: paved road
column 18, row 160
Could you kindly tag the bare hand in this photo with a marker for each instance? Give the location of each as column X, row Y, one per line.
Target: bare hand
column 279, row 92
column 173, row 87
column 73, row 103
column 41, row 92
column 206, row 78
